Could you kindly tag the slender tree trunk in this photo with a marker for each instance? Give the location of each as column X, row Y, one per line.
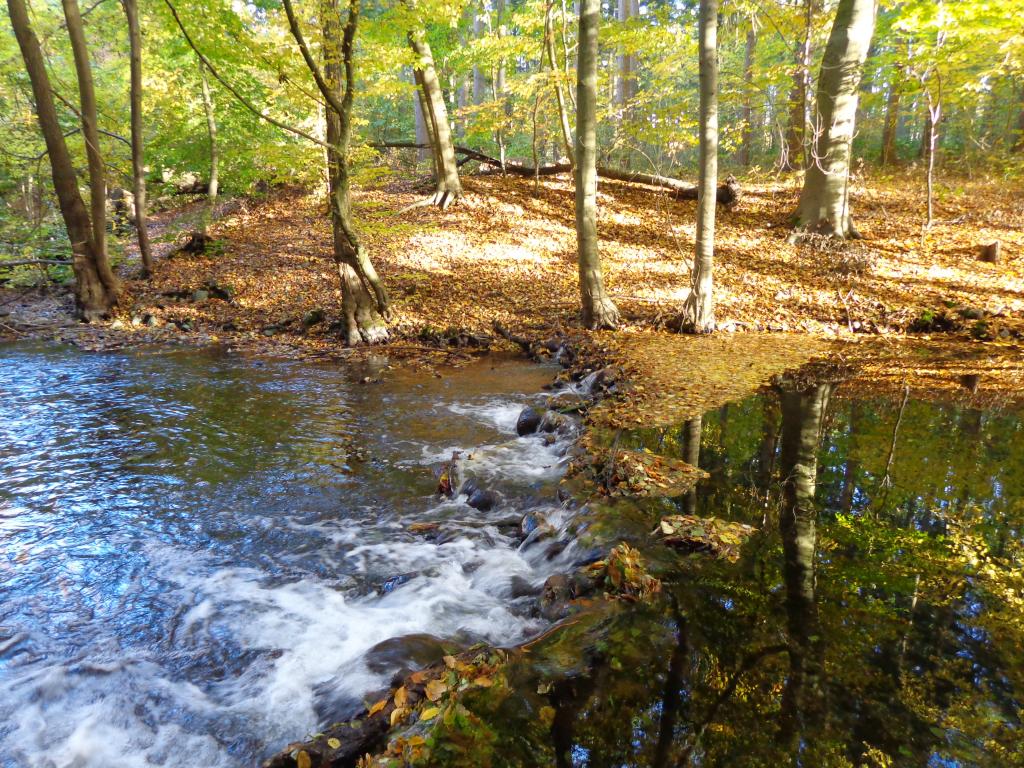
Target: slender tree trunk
column 93, row 297
column 699, row 311
column 211, row 128
column 795, row 147
column 746, row 146
column 625, row 87
column 892, row 115
column 422, row 134
column 448, row 185
column 428, row 124
column 598, row 309
column 563, row 114
column 934, row 116
column 91, row 134
column 131, row 12
column 824, row 203
column 481, row 26
column 364, row 301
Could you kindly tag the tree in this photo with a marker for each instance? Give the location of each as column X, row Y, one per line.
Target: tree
column 131, row 12
column 448, row 187
column 699, row 311
column 364, row 300
column 795, row 147
column 211, row 130
column 598, row 309
column 96, row 286
column 824, row 202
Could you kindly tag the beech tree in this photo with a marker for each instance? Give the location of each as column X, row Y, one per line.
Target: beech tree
column 824, row 203
column 448, row 187
column 699, row 311
column 96, row 286
column 598, row 309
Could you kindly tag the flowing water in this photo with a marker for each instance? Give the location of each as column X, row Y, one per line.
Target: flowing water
column 198, row 552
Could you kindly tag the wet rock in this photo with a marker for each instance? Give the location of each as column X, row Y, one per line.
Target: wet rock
column 396, row 581
column 410, row 652
column 556, row 549
column 556, row 597
column 313, row 317
column 521, row 587
column 529, row 421
column 531, row 522
column 483, row 500
column 587, row 557
column 557, row 423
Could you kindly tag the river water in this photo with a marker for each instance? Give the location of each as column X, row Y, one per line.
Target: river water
column 196, row 548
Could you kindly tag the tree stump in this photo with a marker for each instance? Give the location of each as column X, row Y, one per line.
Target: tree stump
column 990, row 253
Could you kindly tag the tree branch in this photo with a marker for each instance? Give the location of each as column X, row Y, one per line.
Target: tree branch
column 314, row 69
column 244, row 101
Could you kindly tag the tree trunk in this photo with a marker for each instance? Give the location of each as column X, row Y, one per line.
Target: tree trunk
column 692, row 430
column 824, row 203
column 563, row 114
column 892, row 115
column 448, row 186
column 746, row 145
column 598, row 309
column 93, row 297
column 364, row 302
column 481, row 26
column 699, row 311
column 131, row 12
column 422, row 135
column 626, row 83
column 1018, row 144
column 795, row 146
column 91, row 134
column 211, row 128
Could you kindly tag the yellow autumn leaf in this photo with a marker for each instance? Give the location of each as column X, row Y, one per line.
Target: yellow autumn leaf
column 429, row 713
column 401, row 697
column 302, row 759
column 378, row 706
column 397, row 715
column 435, row 690
column 334, row 743
column 450, row 662
column 483, row 681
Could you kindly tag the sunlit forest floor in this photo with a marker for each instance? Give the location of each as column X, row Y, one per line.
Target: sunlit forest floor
column 507, row 253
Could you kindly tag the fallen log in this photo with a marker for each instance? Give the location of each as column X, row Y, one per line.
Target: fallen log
column 728, row 193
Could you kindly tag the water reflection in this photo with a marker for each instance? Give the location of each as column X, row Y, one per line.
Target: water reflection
column 876, row 619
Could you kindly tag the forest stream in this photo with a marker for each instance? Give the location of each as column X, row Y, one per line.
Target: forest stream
column 205, row 556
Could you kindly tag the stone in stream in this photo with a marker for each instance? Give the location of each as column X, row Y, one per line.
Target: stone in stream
column 483, row 500
column 531, row 522
column 556, row 423
column 521, row 587
column 396, row 581
column 528, row 421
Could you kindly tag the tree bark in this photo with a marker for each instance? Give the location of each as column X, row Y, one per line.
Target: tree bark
column 795, row 146
column 93, row 297
column 747, row 142
column 563, row 113
column 692, row 430
column 824, row 203
column 448, row 186
column 91, row 134
column 626, row 83
column 422, row 136
column 1018, row 144
column 211, row 129
column 892, row 116
column 364, row 301
column 481, row 26
column 597, row 309
column 131, row 12
column 699, row 311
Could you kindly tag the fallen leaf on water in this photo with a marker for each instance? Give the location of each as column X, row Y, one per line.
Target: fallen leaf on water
column 378, row 706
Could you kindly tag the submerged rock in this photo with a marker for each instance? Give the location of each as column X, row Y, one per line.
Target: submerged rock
column 531, row 522
column 483, row 500
column 396, row 581
column 529, row 421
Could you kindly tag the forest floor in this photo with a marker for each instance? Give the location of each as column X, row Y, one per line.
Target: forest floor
column 507, row 253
